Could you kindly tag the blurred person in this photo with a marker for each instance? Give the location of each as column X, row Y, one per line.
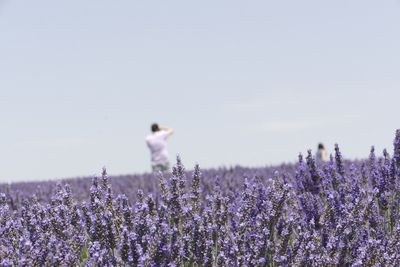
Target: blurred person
column 157, row 143
column 321, row 154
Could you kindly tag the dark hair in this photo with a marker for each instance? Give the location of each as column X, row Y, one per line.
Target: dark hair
column 155, row 128
column 321, row 146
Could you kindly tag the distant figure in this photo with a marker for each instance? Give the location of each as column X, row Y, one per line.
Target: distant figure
column 157, row 143
column 321, row 154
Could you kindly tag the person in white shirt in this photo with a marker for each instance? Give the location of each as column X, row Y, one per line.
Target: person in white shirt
column 321, row 154
column 157, row 143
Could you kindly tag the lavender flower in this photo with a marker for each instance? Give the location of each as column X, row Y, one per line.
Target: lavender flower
column 343, row 213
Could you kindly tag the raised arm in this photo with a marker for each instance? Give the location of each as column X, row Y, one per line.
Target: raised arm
column 167, row 129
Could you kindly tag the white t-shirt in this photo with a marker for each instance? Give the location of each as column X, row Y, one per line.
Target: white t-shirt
column 321, row 155
column 157, row 142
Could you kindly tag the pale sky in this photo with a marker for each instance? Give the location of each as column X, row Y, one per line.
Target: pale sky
column 242, row 82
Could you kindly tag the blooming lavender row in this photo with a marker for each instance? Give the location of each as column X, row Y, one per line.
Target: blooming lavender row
column 337, row 213
column 229, row 178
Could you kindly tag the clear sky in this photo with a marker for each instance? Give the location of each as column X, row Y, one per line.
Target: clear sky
column 242, row 82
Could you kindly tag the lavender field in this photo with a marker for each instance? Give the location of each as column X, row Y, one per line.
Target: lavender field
column 335, row 213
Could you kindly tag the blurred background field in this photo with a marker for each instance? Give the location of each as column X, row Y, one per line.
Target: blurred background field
column 241, row 83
